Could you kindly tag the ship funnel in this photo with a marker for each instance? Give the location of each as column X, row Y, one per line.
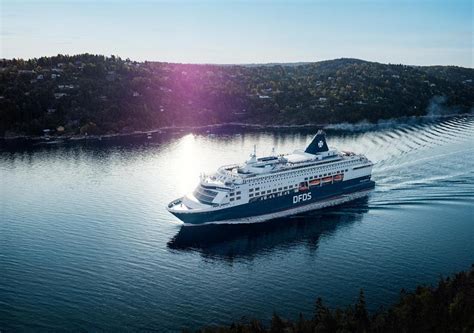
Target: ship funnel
column 318, row 145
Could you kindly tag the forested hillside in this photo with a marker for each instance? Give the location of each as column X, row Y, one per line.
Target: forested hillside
column 96, row 95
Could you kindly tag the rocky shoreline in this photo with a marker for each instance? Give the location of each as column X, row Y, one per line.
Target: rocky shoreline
column 78, row 137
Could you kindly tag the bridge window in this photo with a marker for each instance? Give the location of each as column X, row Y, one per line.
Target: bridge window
column 204, row 195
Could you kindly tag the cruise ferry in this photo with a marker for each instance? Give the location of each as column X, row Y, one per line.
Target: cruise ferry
column 276, row 186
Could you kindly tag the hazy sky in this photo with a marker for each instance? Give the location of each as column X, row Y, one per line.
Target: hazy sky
column 409, row 32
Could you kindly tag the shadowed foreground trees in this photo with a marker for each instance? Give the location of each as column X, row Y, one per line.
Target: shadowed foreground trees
column 448, row 307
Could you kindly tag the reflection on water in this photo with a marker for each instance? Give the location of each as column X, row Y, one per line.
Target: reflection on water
column 233, row 242
column 86, row 243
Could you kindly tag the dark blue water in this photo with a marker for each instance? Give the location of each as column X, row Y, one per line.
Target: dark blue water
column 85, row 241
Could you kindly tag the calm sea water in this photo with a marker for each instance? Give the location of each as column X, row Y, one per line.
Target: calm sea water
column 86, row 243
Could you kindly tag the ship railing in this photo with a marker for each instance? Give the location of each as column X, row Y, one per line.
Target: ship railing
column 226, row 170
column 174, row 203
column 229, row 166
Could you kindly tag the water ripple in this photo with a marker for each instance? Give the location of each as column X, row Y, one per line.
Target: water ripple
column 86, row 244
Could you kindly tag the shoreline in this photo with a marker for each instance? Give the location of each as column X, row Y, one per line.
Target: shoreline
column 155, row 130
column 159, row 130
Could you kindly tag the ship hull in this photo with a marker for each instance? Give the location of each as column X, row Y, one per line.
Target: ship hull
column 260, row 210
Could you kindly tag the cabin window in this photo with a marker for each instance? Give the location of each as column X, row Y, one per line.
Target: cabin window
column 238, row 192
column 231, row 194
column 286, row 187
column 269, row 191
column 231, row 199
column 250, row 195
column 238, row 198
column 257, row 193
column 251, row 190
column 279, row 189
column 257, row 188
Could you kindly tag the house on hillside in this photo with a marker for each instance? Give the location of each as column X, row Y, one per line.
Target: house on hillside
column 111, row 76
column 59, row 95
column 26, row 72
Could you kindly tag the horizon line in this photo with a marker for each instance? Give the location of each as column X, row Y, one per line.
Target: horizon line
column 275, row 63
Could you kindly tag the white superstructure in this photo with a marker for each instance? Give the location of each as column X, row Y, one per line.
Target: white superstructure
column 275, row 176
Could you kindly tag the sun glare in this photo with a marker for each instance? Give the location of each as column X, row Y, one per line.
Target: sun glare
column 189, row 164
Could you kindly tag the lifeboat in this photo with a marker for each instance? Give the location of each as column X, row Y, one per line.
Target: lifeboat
column 315, row 182
column 327, row 180
column 338, row 178
column 303, row 186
